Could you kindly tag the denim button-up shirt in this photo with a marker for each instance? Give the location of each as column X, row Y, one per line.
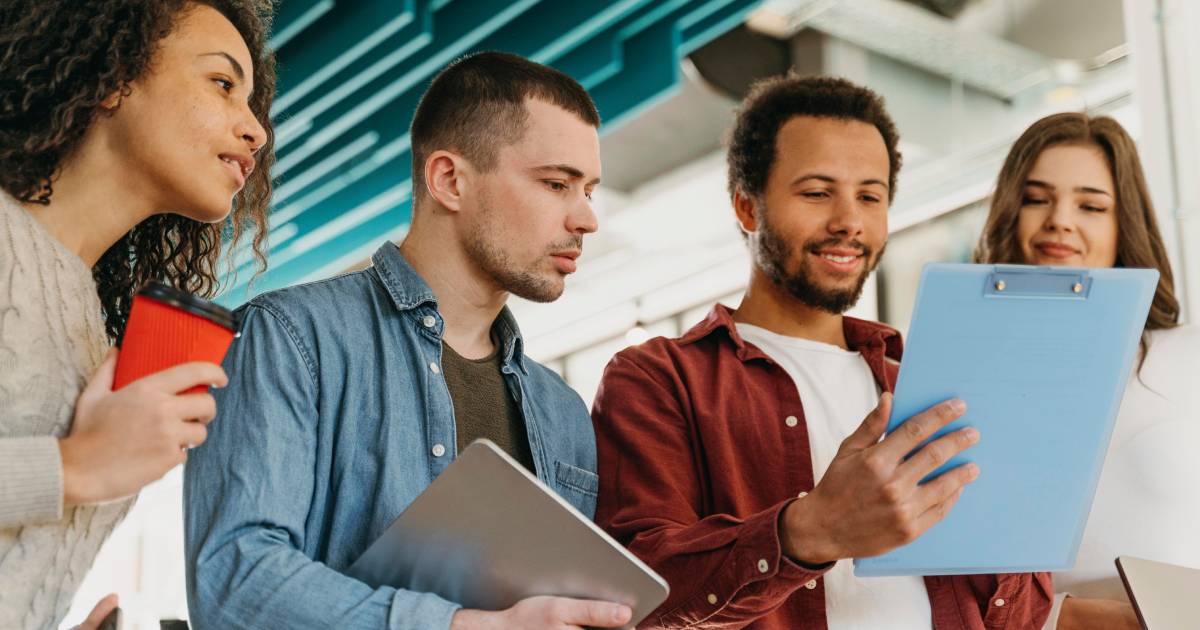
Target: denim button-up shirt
column 335, row 418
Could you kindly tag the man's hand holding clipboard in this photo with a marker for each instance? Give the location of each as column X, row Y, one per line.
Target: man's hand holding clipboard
column 871, row 501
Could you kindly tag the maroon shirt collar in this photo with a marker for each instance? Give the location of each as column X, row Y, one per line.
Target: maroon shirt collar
column 861, row 335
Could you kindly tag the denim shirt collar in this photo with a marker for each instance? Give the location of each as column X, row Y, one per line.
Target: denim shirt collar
column 409, row 291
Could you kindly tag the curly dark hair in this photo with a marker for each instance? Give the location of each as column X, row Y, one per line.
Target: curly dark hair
column 59, row 59
column 773, row 102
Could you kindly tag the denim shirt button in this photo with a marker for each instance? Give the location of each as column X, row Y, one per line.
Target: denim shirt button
column 433, row 367
column 428, row 321
column 438, row 450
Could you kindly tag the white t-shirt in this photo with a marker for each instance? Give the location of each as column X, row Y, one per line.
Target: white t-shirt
column 837, row 391
column 1147, row 502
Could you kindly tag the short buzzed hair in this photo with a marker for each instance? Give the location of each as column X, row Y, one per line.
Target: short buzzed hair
column 476, row 106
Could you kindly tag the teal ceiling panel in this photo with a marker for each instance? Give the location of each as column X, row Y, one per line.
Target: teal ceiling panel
column 390, row 121
column 600, row 57
column 351, row 74
column 655, row 70
column 454, row 30
column 309, row 60
column 295, row 196
column 705, row 28
column 294, row 17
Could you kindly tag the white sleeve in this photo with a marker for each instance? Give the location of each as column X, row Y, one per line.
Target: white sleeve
column 1055, row 611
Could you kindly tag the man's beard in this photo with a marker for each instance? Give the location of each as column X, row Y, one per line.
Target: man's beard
column 771, row 254
column 485, row 247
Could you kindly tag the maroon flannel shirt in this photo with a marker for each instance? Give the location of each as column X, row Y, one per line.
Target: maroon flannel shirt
column 696, row 462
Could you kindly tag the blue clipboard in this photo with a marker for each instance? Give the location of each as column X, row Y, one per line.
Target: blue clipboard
column 1041, row 355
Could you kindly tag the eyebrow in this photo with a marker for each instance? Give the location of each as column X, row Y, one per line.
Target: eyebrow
column 237, row 67
column 566, row 169
column 831, row 180
column 1081, row 189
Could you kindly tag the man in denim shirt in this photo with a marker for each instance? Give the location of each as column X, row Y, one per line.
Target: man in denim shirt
column 340, row 408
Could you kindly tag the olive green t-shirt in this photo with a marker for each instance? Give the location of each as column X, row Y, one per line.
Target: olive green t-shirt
column 483, row 406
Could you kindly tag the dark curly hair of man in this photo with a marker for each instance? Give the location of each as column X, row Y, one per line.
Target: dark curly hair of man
column 59, row 59
column 773, row 102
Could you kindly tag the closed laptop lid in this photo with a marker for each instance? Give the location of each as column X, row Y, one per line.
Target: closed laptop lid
column 1163, row 595
column 487, row 533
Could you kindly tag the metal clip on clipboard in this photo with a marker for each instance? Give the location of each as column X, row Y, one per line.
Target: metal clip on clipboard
column 1038, row 282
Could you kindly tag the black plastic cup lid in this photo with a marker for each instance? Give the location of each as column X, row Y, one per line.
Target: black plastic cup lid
column 187, row 302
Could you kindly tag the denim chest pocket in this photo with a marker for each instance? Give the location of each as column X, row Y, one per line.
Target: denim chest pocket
column 578, row 486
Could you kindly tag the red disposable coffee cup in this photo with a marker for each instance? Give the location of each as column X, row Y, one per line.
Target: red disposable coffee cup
column 168, row 327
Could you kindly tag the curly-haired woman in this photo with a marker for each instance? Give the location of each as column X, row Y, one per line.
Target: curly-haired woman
column 128, row 131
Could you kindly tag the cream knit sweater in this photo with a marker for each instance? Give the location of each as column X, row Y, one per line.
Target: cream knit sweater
column 51, row 340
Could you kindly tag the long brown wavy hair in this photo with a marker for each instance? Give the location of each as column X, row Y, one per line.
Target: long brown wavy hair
column 1139, row 243
column 59, row 59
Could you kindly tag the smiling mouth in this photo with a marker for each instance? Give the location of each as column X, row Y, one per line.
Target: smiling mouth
column 233, row 168
column 238, row 166
column 1056, row 250
column 840, row 262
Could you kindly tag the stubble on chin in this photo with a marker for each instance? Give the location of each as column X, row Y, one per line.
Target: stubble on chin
column 486, row 250
column 773, row 255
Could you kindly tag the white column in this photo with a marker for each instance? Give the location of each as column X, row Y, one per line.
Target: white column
column 1165, row 51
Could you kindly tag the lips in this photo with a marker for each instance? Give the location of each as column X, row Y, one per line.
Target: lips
column 565, row 260
column 1055, row 250
column 841, row 259
column 238, row 165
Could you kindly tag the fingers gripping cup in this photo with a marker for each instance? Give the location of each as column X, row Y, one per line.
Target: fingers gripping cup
column 168, row 327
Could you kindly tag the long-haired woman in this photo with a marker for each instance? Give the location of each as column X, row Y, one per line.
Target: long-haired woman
column 1072, row 193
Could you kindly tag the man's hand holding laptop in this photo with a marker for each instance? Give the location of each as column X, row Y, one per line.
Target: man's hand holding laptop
column 545, row 612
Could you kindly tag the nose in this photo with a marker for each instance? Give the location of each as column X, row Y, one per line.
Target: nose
column 582, row 218
column 846, row 218
column 250, row 130
column 1060, row 218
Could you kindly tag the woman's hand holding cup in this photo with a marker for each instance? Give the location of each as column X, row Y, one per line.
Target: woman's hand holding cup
column 120, row 441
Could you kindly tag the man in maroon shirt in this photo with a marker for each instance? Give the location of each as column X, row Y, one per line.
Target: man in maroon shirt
column 735, row 459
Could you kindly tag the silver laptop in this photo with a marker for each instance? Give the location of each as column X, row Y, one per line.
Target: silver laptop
column 1163, row 595
column 487, row 534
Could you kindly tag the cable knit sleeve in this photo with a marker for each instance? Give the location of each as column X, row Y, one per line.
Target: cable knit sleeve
column 31, row 481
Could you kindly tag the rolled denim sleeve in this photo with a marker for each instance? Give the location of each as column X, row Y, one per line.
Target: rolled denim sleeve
column 248, row 491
